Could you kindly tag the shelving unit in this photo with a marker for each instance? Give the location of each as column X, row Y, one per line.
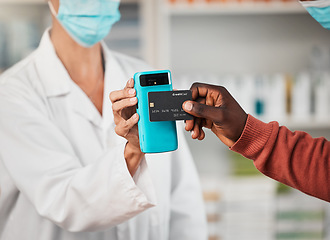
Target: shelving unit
column 180, row 9
column 164, row 12
column 23, row 2
column 222, row 38
column 234, row 38
column 311, row 125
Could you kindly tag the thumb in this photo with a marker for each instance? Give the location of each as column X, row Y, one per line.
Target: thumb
column 203, row 111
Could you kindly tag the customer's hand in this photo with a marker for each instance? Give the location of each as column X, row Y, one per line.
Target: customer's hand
column 214, row 108
column 126, row 119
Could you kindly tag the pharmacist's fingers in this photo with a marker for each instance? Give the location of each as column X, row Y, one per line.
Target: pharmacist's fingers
column 127, row 92
column 123, row 128
column 130, row 84
column 120, row 105
column 122, row 94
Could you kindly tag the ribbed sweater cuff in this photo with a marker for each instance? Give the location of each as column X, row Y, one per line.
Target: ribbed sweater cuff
column 254, row 138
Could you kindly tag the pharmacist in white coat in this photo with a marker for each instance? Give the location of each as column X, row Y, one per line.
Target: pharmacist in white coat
column 64, row 172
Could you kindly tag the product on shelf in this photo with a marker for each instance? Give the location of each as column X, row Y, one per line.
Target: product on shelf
column 302, row 98
column 224, row 1
column 213, row 201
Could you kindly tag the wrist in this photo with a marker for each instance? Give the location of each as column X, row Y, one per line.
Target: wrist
column 240, row 128
column 133, row 157
column 254, row 138
column 132, row 148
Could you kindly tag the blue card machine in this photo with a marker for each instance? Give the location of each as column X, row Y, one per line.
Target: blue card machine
column 155, row 137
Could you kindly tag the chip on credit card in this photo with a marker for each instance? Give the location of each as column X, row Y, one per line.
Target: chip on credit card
column 167, row 105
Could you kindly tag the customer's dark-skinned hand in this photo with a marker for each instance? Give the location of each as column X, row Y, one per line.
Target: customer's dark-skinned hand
column 214, row 108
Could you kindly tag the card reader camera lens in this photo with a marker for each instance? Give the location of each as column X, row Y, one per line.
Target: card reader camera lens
column 154, row 79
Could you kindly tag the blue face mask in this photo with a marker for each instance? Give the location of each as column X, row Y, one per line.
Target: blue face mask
column 319, row 10
column 87, row 21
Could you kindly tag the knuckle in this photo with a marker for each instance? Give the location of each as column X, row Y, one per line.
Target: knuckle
column 126, row 125
column 193, row 86
column 114, row 108
column 127, row 91
column 111, row 97
column 117, row 121
column 131, row 122
column 196, row 84
column 121, row 130
column 118, row 130
column 221, row 88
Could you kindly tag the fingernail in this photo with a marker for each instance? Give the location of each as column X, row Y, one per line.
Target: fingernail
column 188, row 106
column 192, row 133
column 133, row 99
column 135, row 116
column 131, row 92
column 130, row 81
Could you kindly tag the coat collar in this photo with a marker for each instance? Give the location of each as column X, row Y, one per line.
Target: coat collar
column 115, row 79
column 55, row 78
column 57, row 82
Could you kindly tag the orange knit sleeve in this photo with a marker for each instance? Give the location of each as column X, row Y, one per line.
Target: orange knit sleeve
column 293, row 158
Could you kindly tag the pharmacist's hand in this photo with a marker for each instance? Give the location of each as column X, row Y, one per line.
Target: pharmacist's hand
column 214, row 108
column 126, row 119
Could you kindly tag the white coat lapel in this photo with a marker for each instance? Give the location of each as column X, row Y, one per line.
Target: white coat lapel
column 83, row 106
column 51, row 71
column 57, row 82
column 115, row 79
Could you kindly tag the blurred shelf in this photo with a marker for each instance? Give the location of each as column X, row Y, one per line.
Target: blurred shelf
column 178, row 9
column 22, row 2
column 311, row 124
column 306, row 125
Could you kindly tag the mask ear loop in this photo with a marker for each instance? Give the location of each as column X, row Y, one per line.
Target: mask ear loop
column 52, row 9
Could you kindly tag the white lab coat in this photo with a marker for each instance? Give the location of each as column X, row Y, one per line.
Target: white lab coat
column 63, row 175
